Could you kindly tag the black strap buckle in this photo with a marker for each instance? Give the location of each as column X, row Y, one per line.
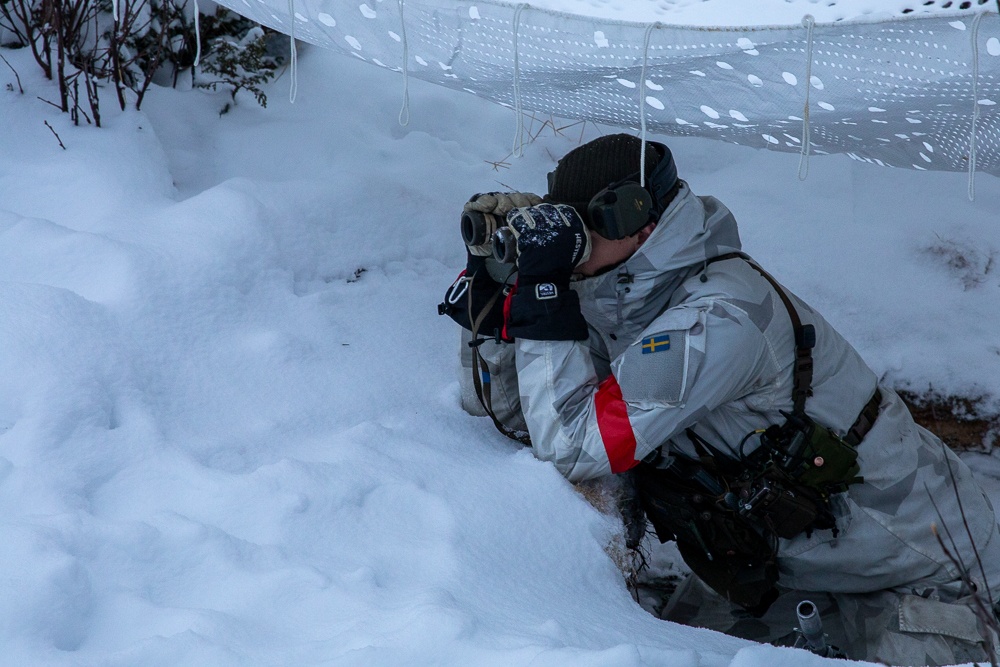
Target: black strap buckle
column 866, row 419
column 805, row 337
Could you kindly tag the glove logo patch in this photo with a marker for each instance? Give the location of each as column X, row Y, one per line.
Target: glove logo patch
column 546, row 291
column 657, row 343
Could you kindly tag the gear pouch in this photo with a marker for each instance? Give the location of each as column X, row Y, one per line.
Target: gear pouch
column 829, row 461
column 811, row 454
column 787, row 511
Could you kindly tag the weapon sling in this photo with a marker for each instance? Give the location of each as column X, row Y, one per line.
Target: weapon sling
column 805, row 336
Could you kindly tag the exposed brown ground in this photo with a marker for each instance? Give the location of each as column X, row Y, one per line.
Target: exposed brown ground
column 957, row 421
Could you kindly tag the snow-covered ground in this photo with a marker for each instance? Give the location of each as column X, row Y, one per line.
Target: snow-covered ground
column 230, row 430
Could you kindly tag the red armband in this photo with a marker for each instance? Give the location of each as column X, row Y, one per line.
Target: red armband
column 616, row 430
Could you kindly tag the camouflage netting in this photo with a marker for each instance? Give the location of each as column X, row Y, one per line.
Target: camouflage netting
column 915, row 90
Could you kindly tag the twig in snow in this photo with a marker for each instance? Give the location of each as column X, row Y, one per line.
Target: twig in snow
column 55, row 134
column 48, row 102
column 19, row 78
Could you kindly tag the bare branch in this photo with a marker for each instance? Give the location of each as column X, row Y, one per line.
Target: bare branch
column 15, row 74
column 48, row 102
column 55, row 134
column 985, row 614
column 499, row 164
column 965, row 524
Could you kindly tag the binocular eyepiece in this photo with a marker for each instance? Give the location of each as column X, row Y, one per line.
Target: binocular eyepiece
column 485, row 228
column 477, row 228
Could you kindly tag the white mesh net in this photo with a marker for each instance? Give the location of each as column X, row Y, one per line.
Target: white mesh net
column 916, row 90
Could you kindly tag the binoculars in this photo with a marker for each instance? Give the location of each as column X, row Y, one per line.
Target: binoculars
column 481, row 228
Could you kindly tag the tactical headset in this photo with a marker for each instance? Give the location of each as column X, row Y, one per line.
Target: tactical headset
column 624, row 207
column 621, row 209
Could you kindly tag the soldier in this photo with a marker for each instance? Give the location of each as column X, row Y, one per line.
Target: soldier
column 638, row 338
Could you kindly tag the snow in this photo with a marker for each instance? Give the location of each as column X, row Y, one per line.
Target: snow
column 230, row 423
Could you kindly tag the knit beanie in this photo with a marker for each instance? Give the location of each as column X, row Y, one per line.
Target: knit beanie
column 588, row 169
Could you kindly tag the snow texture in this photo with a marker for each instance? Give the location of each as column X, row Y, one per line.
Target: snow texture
column 230, row 422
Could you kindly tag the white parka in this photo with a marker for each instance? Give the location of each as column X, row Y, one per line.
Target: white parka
column 676, row 342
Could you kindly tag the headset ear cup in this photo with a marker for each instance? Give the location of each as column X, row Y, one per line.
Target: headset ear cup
column 600, row 213
column 632, row 209
column 620, row 210
column 635, row 198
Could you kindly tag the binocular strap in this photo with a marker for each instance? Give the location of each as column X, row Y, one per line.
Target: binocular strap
column 479, row 365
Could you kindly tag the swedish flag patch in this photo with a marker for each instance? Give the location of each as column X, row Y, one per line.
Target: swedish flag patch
column 657, row 343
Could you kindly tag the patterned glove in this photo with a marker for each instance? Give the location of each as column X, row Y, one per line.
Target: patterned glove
column 491, row 208
column 551, row 241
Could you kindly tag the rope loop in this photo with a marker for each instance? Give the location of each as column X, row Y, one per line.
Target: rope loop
column 975, row 104
column 404, row 112
column 809, row 23
column 293, row 88
column 518, row 148
column 642, row 101
column 197, row 35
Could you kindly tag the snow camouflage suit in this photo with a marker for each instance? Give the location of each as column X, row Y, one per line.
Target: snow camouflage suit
column 596, row 407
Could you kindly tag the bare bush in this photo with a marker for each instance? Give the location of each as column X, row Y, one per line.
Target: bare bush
column 86, row 45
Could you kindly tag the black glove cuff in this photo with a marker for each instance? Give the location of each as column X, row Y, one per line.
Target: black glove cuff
column 546, row 311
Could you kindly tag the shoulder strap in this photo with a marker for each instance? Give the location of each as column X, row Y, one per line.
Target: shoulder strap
column 480, row 371
column 805, row 336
